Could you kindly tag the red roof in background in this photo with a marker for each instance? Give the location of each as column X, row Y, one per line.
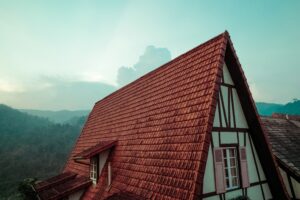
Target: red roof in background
column 162, row 122
column 96, row 149
column 61, row 186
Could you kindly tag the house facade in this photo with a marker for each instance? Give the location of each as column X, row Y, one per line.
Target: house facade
column 284, row 135
column 239, row 164
column 187, row 130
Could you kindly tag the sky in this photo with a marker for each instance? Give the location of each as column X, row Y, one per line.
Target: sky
column 69, row 54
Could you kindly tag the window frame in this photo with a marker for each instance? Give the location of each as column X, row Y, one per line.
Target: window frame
column 94, row 165
column 228, row 166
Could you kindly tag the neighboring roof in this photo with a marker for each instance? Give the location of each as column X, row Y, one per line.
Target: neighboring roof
column 163, row 122
column 96, row 149
column 61, row 186
column 284, row 134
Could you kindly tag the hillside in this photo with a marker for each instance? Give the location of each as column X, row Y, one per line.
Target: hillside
column 31, row 146
column 61, row 116
column 266, row 109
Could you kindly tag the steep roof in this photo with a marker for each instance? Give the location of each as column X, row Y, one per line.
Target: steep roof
column 284, row 134
column 162, row 122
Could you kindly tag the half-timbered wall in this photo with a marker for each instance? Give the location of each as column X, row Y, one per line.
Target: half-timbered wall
column 291, row 184
column 230, row 128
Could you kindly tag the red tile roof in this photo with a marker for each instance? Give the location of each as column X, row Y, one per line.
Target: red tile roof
column 162, row 122
column 61, row 186
column 96, row 149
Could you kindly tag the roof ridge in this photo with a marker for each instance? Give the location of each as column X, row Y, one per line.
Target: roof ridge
column 225, row 35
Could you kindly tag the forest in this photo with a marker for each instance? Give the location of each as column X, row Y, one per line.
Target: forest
column 32, row 146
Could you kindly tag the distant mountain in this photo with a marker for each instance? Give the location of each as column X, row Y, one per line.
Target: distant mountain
column 62, row 116
column 32, row 146
column 266, row 109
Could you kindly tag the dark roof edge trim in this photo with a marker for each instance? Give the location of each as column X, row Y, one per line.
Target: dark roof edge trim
column 289, row 170
column 92, row 151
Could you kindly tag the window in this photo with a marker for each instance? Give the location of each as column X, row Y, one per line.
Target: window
column 231, row 168
column 93, row 169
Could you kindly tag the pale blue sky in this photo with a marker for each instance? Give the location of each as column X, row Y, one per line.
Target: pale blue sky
column 46, row 45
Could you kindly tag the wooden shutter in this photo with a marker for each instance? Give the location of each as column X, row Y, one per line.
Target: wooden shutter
column 244, row 168
column 109, row 174
column 219, row 171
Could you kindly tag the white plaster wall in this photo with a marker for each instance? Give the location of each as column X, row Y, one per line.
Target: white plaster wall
column 267, row 191
column 285, row 181
column 296, row 186
column 226, row 75
column 241, row 138
column 253, row 176
column 215, row 138
column 209, row 178
column 212, row 198
column 216, row 118
column 76, row 195
column 233, row 194
column 102, row 160
column 228, row 137
column 260, row 170
column 239, row 114
column 255, row 192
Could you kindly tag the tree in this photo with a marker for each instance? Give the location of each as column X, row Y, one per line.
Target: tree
column 26, row 189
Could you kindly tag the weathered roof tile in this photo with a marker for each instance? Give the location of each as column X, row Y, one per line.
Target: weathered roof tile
column 284, row 135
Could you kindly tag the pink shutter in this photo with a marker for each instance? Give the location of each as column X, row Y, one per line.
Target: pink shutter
column 244, row 168
column 219, row 171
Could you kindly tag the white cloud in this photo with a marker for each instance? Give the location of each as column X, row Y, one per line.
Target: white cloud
column 152, row 58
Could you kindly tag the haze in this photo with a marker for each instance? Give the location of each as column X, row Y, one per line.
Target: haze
column 69, row 54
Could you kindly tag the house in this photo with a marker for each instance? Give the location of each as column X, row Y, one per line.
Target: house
column 187, row 130
column 284, row 135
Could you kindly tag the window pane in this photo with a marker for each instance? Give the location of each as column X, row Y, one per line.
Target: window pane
column 231, row 168
column 232, row 162
column 234, row 182
column 233, row 172
column 232, row 153
column 226, row 173
column 224, row 153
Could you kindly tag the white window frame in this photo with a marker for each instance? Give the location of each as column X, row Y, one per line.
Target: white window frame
column 228, row 168
column 94, row 169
